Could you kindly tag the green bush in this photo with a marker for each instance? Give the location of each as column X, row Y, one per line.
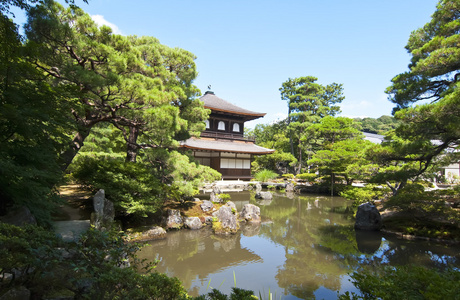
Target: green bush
column 406, row 282
column 360, row 195
column 93, row 268
column 414, row 197
column 265, row 175
column 288, row 176
column 307, row 176
column 225, row 197
column 132, row 187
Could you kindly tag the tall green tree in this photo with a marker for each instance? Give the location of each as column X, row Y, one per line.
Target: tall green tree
column 342, row 148
column 140, row 86
column 33, row 129
column 308, row 102
column 273, row 136
column 433, row 81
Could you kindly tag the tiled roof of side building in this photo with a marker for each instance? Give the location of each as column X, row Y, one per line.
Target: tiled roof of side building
column 215, row 103
column 224, row 146
column 374, row 138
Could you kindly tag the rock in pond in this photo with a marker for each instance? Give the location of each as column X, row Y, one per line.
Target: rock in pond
column 193, row 223
column 368, row 217
column 250, row 213
column 258, row 187
column 264, row 195
column 206, row 205
column 232, row 207
column 147, row 233
column 174, row 219
column 290, row 187
column 227, row 222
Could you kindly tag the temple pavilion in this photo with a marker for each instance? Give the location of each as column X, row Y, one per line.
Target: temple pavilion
column 222, row 146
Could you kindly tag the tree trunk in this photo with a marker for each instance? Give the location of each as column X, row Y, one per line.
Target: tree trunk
column 332, row 183
column 68, row 155
column 300, row 161
column 132, row 147
column 398, row 186
column 290, row 131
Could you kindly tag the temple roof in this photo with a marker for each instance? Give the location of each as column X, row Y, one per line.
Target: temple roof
column 374, row 138
column 217, row 104
column 224, row 146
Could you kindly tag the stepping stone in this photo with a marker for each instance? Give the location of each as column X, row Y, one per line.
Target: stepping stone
column 71, row 230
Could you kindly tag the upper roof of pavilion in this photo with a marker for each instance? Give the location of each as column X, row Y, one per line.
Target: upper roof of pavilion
column 214, row 103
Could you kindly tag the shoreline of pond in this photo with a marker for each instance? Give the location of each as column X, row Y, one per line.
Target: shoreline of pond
column 238, row 186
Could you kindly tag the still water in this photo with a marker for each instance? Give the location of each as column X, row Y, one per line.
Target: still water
column 304, row 248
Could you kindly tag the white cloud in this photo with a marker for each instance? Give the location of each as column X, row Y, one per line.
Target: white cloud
column 99, row 19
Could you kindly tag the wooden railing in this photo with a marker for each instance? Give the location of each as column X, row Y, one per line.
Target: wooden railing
column 226, row 135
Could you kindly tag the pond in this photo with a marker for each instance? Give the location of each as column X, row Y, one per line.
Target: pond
column 304, row 248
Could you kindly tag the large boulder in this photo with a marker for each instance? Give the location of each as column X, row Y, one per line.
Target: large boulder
column 20, row 216
column 16, row 293
column 193, row 223
column 250, row 213
column 206, row 205
column 147, row 233
column 368, row 217
column 264, row 195
column 227, row 222
column 215, row 194
column 104, row 211
column 232, row 207
column 174, row 219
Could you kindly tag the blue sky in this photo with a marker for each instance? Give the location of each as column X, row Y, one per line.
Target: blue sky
column 246, row 49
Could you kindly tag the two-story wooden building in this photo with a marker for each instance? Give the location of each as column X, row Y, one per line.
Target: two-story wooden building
column 222, row 146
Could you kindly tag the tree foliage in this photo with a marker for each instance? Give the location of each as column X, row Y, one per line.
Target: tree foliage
column 142, row 87
column 70, row 80
column 380, row 125
column 432, row 80
column 33, row 129
column 342, row 148
column 308, row 102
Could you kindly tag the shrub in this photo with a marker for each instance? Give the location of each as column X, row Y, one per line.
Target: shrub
column 225, row 197
column 406, row 282
column 413, row 196
column 132, row 187
column 360, row 195
column 307, row 176
column 92, row 268
column 265, row 175
column 288, row 176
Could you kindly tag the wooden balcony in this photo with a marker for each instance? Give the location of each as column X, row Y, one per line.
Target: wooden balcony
column 227, row 136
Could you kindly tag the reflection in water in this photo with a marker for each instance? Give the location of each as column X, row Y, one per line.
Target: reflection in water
column 304, row 248
column 368, row 241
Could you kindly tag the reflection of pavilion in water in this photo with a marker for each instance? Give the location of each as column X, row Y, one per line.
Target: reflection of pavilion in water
column 195, row 254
